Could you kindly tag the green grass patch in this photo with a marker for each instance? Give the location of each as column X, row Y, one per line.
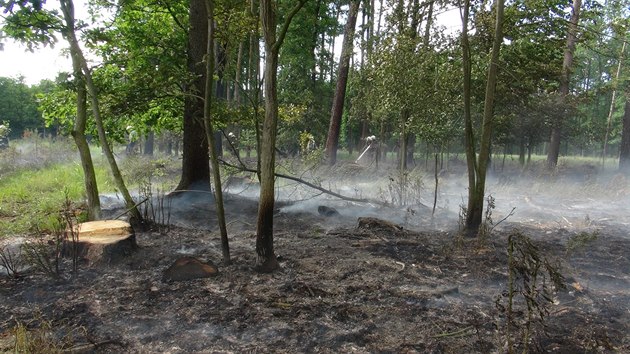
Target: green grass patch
column 32, row 199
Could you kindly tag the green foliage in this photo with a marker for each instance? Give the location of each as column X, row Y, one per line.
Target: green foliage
column 581, row 241
column 18, row 106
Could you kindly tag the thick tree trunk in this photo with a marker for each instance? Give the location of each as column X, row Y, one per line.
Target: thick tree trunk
column 332, row 143
column 149, row 143
column 624, row 155
column 554, row 142
column 195, row 167
column 214, row 157
column 89, row 176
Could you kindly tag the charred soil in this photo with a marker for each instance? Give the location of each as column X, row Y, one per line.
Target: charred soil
column 341, row 288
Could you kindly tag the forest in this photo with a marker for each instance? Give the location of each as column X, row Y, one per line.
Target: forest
column 368, row 176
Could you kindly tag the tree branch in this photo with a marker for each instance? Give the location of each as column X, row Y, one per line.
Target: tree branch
column 308, row 184
column 285, row 26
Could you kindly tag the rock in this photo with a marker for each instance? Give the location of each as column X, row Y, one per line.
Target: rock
column 370, row 223
column 327, row 211
column 188, row 268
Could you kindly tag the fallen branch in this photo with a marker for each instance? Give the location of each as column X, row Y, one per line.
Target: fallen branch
column 308, row 184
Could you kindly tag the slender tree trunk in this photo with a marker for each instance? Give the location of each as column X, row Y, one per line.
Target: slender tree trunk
column 624, row 154
column 471, row 158
column 89, row 176
column 554, row 142
column 476, row 198
column 332, row 143
column 195, row 167
column 612, row 105
column 67, row 8
column 214, row 159
column 266, row 259
column 237, row 77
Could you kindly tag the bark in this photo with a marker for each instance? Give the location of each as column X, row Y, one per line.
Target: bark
column 612, row 105
column 471, row 159
column 67, row 7
column 237, row 77
column 78, row 133
column 149, row 143
column 624, row 156
column 214, row 159
column 554, row 141
column 266, row 260
column 477, row 190
column 332, row 143
column 195, row 167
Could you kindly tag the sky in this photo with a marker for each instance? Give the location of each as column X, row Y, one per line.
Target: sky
column 46, row 62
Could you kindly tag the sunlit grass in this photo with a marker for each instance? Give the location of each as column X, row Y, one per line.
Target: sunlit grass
column 32, row 199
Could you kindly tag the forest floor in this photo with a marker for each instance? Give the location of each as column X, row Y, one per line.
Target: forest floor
column 343, row 288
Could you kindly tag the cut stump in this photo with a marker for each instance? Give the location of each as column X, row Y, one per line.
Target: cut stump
column 101, row 242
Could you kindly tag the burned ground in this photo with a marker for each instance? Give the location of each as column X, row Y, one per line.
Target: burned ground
column 340, row 288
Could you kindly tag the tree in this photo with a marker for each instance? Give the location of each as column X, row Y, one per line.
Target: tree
column 266, row 260
column 195, row 167
column 477, row 166
column 42, row 22
column 332, row 143
column 214, row 159
column 624, row 155
column 18, row 106
column 554, row 142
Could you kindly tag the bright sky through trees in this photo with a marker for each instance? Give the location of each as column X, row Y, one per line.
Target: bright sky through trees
column 46, row 63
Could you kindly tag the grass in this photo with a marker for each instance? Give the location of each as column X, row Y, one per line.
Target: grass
column 32, row 199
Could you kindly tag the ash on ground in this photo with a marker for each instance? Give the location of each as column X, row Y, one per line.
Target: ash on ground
column 340, row 288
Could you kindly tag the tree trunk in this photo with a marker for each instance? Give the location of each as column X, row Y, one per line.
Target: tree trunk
column 148, row 144
column 469, row 136
column 477, row 191
column 624, row 155
column 332, row 143
column 195, row 167
column 67, row 7
column 554, row 142
column 214, row 158
column 266, row 259
column 89, row 176
column 612, row 105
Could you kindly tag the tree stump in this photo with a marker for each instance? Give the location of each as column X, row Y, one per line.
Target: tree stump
column 100, row 242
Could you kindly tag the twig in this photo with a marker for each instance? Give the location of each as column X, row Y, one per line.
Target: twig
column 505, row 218
column 129, row 209
column 460, row 333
